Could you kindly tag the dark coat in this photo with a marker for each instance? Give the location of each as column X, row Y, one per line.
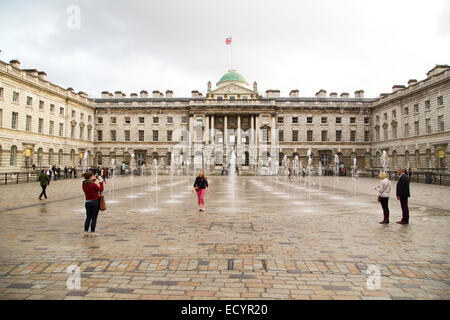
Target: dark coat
column 403, row 186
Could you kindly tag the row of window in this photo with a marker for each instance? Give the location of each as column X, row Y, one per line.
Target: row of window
column 113, row 135
column 141, row 120
column 309, row 135
column 428, row 129
column 427, row 104
column 324, row 120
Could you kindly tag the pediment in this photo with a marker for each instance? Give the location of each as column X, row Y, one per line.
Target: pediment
column 231, row 88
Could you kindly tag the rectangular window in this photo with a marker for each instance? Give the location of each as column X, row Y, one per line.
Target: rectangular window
column 28, row 124
column 72, row 132
column 440, row 100
column 416, row 107
column 416, row 127
column 265, row 135
column 127, row 120
column 1, row 118
column 99, row 135
column 377, row 134
column 40, row 125
column 74, row 113
column 61, row 111
column 41, row 104
column 428, row 125
column 294, row 119
column 280, row 120
column 127, row 135
column 61, row 129
column 352, row 135
column 14, row 120
column 377, row 119
column 113, row 135
column 394, row 132
column 141, row 120
column 15, row 96
column 99, row 120
column 427, row 104
column 324, row 135
column 81, row 133
column 113, row 120
column 81, row 116
column 52, row 108
column 309, row 135
column 155, row 120
column 141, row 135
column 183, row 119
column 29, row 101
column 352, row 120
column 295, row 135
column 406, row 111
column 89, row 118
column 338, row 120
column 324, row 120
column 366, row 120
column 441, row 123
column 169, row 135
column 406, row 130
column 309, row 120
column 1, row 93
column 394, row 113
column 385, row 133
column 385, row 116
column 155, row 135
column 338, row 135
column 280, row 135
column 367, row 136
column 89, row 134
column 169, row 119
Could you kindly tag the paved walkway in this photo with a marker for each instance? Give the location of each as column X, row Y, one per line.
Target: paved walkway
column 260, row 238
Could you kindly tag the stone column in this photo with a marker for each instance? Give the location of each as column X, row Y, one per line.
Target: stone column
column 238, row 144
column 191, row 138
column 257, row 135
column 206, row 134
column 225, row 136
column 212, row 129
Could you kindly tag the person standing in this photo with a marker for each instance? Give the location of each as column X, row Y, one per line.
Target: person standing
column 43, row 179
column 403, row 194
column 201, row 185
column 92, row 204
column 383, row 197
column 49, row 174
column 410, row 174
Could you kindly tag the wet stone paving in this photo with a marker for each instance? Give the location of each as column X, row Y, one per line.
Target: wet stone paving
column 259, row 238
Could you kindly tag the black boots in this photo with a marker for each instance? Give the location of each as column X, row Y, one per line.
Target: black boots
column 386, row 218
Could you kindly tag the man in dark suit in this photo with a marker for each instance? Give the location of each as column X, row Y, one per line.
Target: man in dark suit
column 403, row 195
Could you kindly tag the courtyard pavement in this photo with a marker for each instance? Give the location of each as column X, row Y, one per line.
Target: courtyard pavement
column 260, row 238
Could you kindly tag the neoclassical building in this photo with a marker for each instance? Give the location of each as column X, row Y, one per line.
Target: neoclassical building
column 44, row 124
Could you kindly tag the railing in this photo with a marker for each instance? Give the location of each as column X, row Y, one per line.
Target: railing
column 428, row 177
column 30, row 176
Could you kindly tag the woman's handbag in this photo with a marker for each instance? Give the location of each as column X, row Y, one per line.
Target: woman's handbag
column 197, row 188
column 379, row 197
column 102, row 203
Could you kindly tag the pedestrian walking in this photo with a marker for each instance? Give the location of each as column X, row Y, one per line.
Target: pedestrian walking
column 383, row 195
column 92, row 204
column 43, row 179
column 201, row 186
column 403, row 194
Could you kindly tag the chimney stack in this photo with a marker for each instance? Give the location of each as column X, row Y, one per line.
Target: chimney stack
column 144, row 94
column 156, row 94
column 134, row 95
column 333, row 95
column 359, row 94
column 321, row 94
column 15, row 63
column 105, row 94
column 272, row 93
column 195, row 94
column 397, row 87
column 42, row 75
column 438, row 69
column 169, row 94
column 118, row 94
column 412, row 82
column 294, row 93
column 345, row 95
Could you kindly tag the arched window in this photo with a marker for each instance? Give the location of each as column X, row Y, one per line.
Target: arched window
column 72, row 157
column 407, row 162
column 219, row 158
column 40, row 155
column 60, row 157
column 417, row 159
column 13, row 156
column 50, row 156
column 169, row 158
column 99, row 159
column 280, row 158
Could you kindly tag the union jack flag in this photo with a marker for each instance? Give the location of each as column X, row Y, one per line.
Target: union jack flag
column 228, row 40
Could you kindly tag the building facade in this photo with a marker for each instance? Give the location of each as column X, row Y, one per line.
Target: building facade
column 43, row 124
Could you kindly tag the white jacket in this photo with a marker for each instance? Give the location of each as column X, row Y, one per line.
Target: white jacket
column 386, row 186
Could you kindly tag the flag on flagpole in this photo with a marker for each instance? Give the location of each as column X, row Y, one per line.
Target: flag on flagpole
column 228, row 40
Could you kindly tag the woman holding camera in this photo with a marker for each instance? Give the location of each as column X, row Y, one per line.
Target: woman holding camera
column 383, row 195
column 91, row 191
column 201, row 185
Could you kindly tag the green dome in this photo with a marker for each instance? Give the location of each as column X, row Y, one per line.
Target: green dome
column 232, row 76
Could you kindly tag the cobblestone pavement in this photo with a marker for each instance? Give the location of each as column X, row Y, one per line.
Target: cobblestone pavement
column 260, row 238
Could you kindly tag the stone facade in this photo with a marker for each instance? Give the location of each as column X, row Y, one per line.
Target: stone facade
column 192, row 130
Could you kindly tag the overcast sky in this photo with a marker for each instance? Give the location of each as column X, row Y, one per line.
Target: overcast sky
column 336, row 45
